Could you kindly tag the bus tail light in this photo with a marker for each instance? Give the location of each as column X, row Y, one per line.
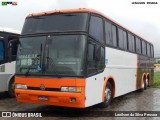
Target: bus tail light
column 71, row 89
column 21, row 86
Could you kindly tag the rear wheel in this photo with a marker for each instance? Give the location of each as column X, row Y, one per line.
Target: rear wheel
column 143, row 86
column 146, row 84
column 11, row 88
column 107, row 96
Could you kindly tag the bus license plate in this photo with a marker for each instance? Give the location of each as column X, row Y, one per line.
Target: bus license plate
column 44, row 98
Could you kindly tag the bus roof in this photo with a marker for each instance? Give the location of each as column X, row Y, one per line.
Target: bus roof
column 82, row 10
column 9, row 30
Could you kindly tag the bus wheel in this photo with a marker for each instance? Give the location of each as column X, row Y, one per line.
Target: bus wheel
column 143, row 86
column 146, row 84
column 107, row 96
column 11, row 88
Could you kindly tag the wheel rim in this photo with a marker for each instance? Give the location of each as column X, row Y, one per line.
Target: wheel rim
column 146, row 82
column 143, row 84
column 107, row 94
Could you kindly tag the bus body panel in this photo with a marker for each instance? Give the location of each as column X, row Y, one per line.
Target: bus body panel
column 123, row 66
column 94, row 89
column 123, row 71
column 54, row 95
column 4, row 81
column 7, row 71
column 127, row 67
column 7, row 67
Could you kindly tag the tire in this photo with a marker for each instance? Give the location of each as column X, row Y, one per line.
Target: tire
column 146, row 84
column 107, row 96
column 143, row 86
column 11, row 88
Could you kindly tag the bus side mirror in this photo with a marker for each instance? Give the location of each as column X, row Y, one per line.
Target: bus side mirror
column 12, row 49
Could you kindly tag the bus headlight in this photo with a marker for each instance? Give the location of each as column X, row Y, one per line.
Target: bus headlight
column 21, row 86
column 71, row 89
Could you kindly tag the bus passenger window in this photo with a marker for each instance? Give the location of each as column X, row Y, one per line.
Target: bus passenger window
column 114, row 36
column 148, row 50
column 108, row 32
column 91, row 64
column 143, row 48
column 120, row 38
column 96, row 58
column 1, row 50
column 96, row 28
column 13, row 45
column 152, row 51
column 125, row 40
column 131, row 41
column 102, row 59
column 138, row 45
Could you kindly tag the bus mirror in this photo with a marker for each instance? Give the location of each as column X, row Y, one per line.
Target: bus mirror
column 12, row 49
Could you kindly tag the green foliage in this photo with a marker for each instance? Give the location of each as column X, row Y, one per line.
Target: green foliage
column 156, row 79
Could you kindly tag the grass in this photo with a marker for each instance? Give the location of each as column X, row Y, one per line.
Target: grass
column 156, row 79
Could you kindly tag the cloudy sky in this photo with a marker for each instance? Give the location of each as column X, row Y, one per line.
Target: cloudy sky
column 143, row 19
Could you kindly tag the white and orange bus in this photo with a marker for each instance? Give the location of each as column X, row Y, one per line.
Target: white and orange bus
column 79, row 58
column 7, row 64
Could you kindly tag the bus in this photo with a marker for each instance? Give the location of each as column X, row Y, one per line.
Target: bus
column 7, row 64
column 79, row 58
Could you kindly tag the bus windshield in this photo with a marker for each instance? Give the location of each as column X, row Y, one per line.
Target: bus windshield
column 52, row 55
column 61, row 22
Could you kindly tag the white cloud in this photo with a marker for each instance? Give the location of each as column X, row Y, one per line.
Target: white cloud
column 142, row 19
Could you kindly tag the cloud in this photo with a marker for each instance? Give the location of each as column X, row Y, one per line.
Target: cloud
column 142, row 19
column 70, row 4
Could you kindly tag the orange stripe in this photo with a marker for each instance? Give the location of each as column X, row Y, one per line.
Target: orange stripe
column 55, row 97
column 142, row 79
column 50, row 82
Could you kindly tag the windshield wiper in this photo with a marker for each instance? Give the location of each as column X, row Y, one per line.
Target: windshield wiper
column 50, row 66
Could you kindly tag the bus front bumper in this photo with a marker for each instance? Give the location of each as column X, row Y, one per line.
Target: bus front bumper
column 67, row 99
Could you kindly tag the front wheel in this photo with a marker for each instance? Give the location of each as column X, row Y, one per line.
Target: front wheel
column 11, row 88
column 107, row 96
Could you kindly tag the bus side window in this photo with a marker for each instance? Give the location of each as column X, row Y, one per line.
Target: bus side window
column 108, row 33
column 148, row 50
column 114, row 35
column 99, row 57
column 120, row 38
column 96, row 58
column 138, row 45
column 12, row 49
column 1, row 50
column 125, row 40
column 96, row 28
column 144, row 48
column 91, row 63
column 152, row 51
